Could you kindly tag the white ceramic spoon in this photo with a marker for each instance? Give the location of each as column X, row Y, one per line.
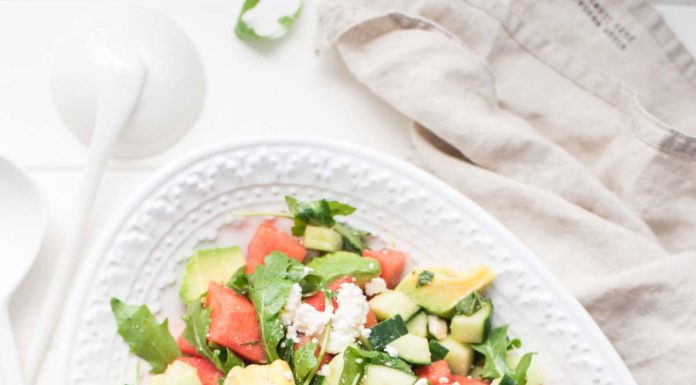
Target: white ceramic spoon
column 22, row 227
column 129, row 84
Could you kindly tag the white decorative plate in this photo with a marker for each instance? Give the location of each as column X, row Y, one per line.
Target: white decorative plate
column 140, row 257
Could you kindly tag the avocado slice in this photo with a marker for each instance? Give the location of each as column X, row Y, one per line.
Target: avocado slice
column 445, row 289
column 216, row 265
column 178, row 373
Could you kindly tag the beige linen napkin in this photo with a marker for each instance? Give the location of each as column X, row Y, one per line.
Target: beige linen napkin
column 574, row 123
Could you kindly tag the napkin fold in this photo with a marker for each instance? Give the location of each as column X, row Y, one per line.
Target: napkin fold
column 572, row 122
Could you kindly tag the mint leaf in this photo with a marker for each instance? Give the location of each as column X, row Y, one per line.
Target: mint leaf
column 471, row 304
column 269, row 290
column 304, row 361
column 315, row 213
column 424, row 278
column 239, row 282
column 197, row 325
column 342, row 263
column 495, row 366
column 353, row 239
column 146, row 338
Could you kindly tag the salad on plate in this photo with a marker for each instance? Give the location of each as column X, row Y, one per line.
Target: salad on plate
column 317, row 306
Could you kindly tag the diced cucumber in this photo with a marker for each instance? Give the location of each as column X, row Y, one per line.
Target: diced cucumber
column 413, row 349
column 391, row 303
column 335, row 370
column 437, row 327
column 460, row 356
column 418, row 325
column 437, row 351
column 472, row 329
column 386, row 331
column 382, row 375
column 322, row 238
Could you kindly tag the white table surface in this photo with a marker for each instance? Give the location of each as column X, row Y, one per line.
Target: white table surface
column 268, row 89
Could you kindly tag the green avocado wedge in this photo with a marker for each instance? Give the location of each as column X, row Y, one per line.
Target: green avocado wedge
column 209, row 265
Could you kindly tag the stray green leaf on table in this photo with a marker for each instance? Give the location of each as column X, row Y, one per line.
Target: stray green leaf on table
column 267, row 19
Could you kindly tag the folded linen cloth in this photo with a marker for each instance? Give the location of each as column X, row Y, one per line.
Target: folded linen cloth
column 574, row 123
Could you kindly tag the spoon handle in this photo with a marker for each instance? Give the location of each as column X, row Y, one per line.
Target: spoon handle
column 119, row 94
column 10, row 371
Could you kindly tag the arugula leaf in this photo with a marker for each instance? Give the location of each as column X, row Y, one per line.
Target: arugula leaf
column 471, row 304
column 197, row 325
column 342, row 263
column 495, row 349
column 353, row 239
column 269, row 290
column 239, row 282
column 315, row 213
column 311, row 284
column 424, row 278
column 304, row 361
column 355, row 360
column 285, row 22
column 146, row 338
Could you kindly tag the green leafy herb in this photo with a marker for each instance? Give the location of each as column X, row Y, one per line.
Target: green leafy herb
column 315, row 213
column 269, row 290
column 311, row 284
column 424, row 278
column 437, row 351
column 353, row 239
column 239, row 282
column 494, row 350
column 342, row 263
column 146, row 338
column 471, row 304
column 303, row 361
column 244, row 31
column 387, row 331
column 197, row 325
column 355, row 360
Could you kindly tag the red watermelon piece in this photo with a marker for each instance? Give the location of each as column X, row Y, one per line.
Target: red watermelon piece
column 207, row 372
column 371, row 319
column 437, row 373
column 465, row 380
column 268, row 239
column 185, row 347
column 233, row 323
column 392, row 263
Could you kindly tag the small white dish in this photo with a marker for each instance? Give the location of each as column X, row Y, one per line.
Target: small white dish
column 140, row 257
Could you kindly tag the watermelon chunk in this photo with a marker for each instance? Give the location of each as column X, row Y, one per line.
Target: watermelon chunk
column 437, row 373
column 392, row 263
column 233, row 323
column 186, row 347
column 464, row 380
column 268, row 239
column 371, row 319
column 207, row 372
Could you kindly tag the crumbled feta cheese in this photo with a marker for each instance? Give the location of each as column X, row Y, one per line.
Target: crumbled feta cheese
column 349, row 318
column 294, row 300
column 307, row 270
column 325, row 370
column 437, row 327
column 455, row 383
column 391, row 351
column 421, row 381
column 310, row 321
column 358, row 360
column 366, row 332
column 443, row 380
column 375, row 286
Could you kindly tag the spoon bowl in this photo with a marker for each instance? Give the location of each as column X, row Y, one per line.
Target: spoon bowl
column 22, row 226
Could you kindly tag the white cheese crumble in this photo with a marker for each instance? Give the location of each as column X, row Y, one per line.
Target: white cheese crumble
column 375, row 286
column 349, row 319
column 294, row 300
column 443, row 380
column 421, row 381
column 391, row 351
column 366, row 333
column 264, row 17
column 437, row 327
column 455, row 383
column 308, row 321
column 325, row 370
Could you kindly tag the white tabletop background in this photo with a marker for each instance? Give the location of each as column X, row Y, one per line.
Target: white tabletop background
column 284, row 87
